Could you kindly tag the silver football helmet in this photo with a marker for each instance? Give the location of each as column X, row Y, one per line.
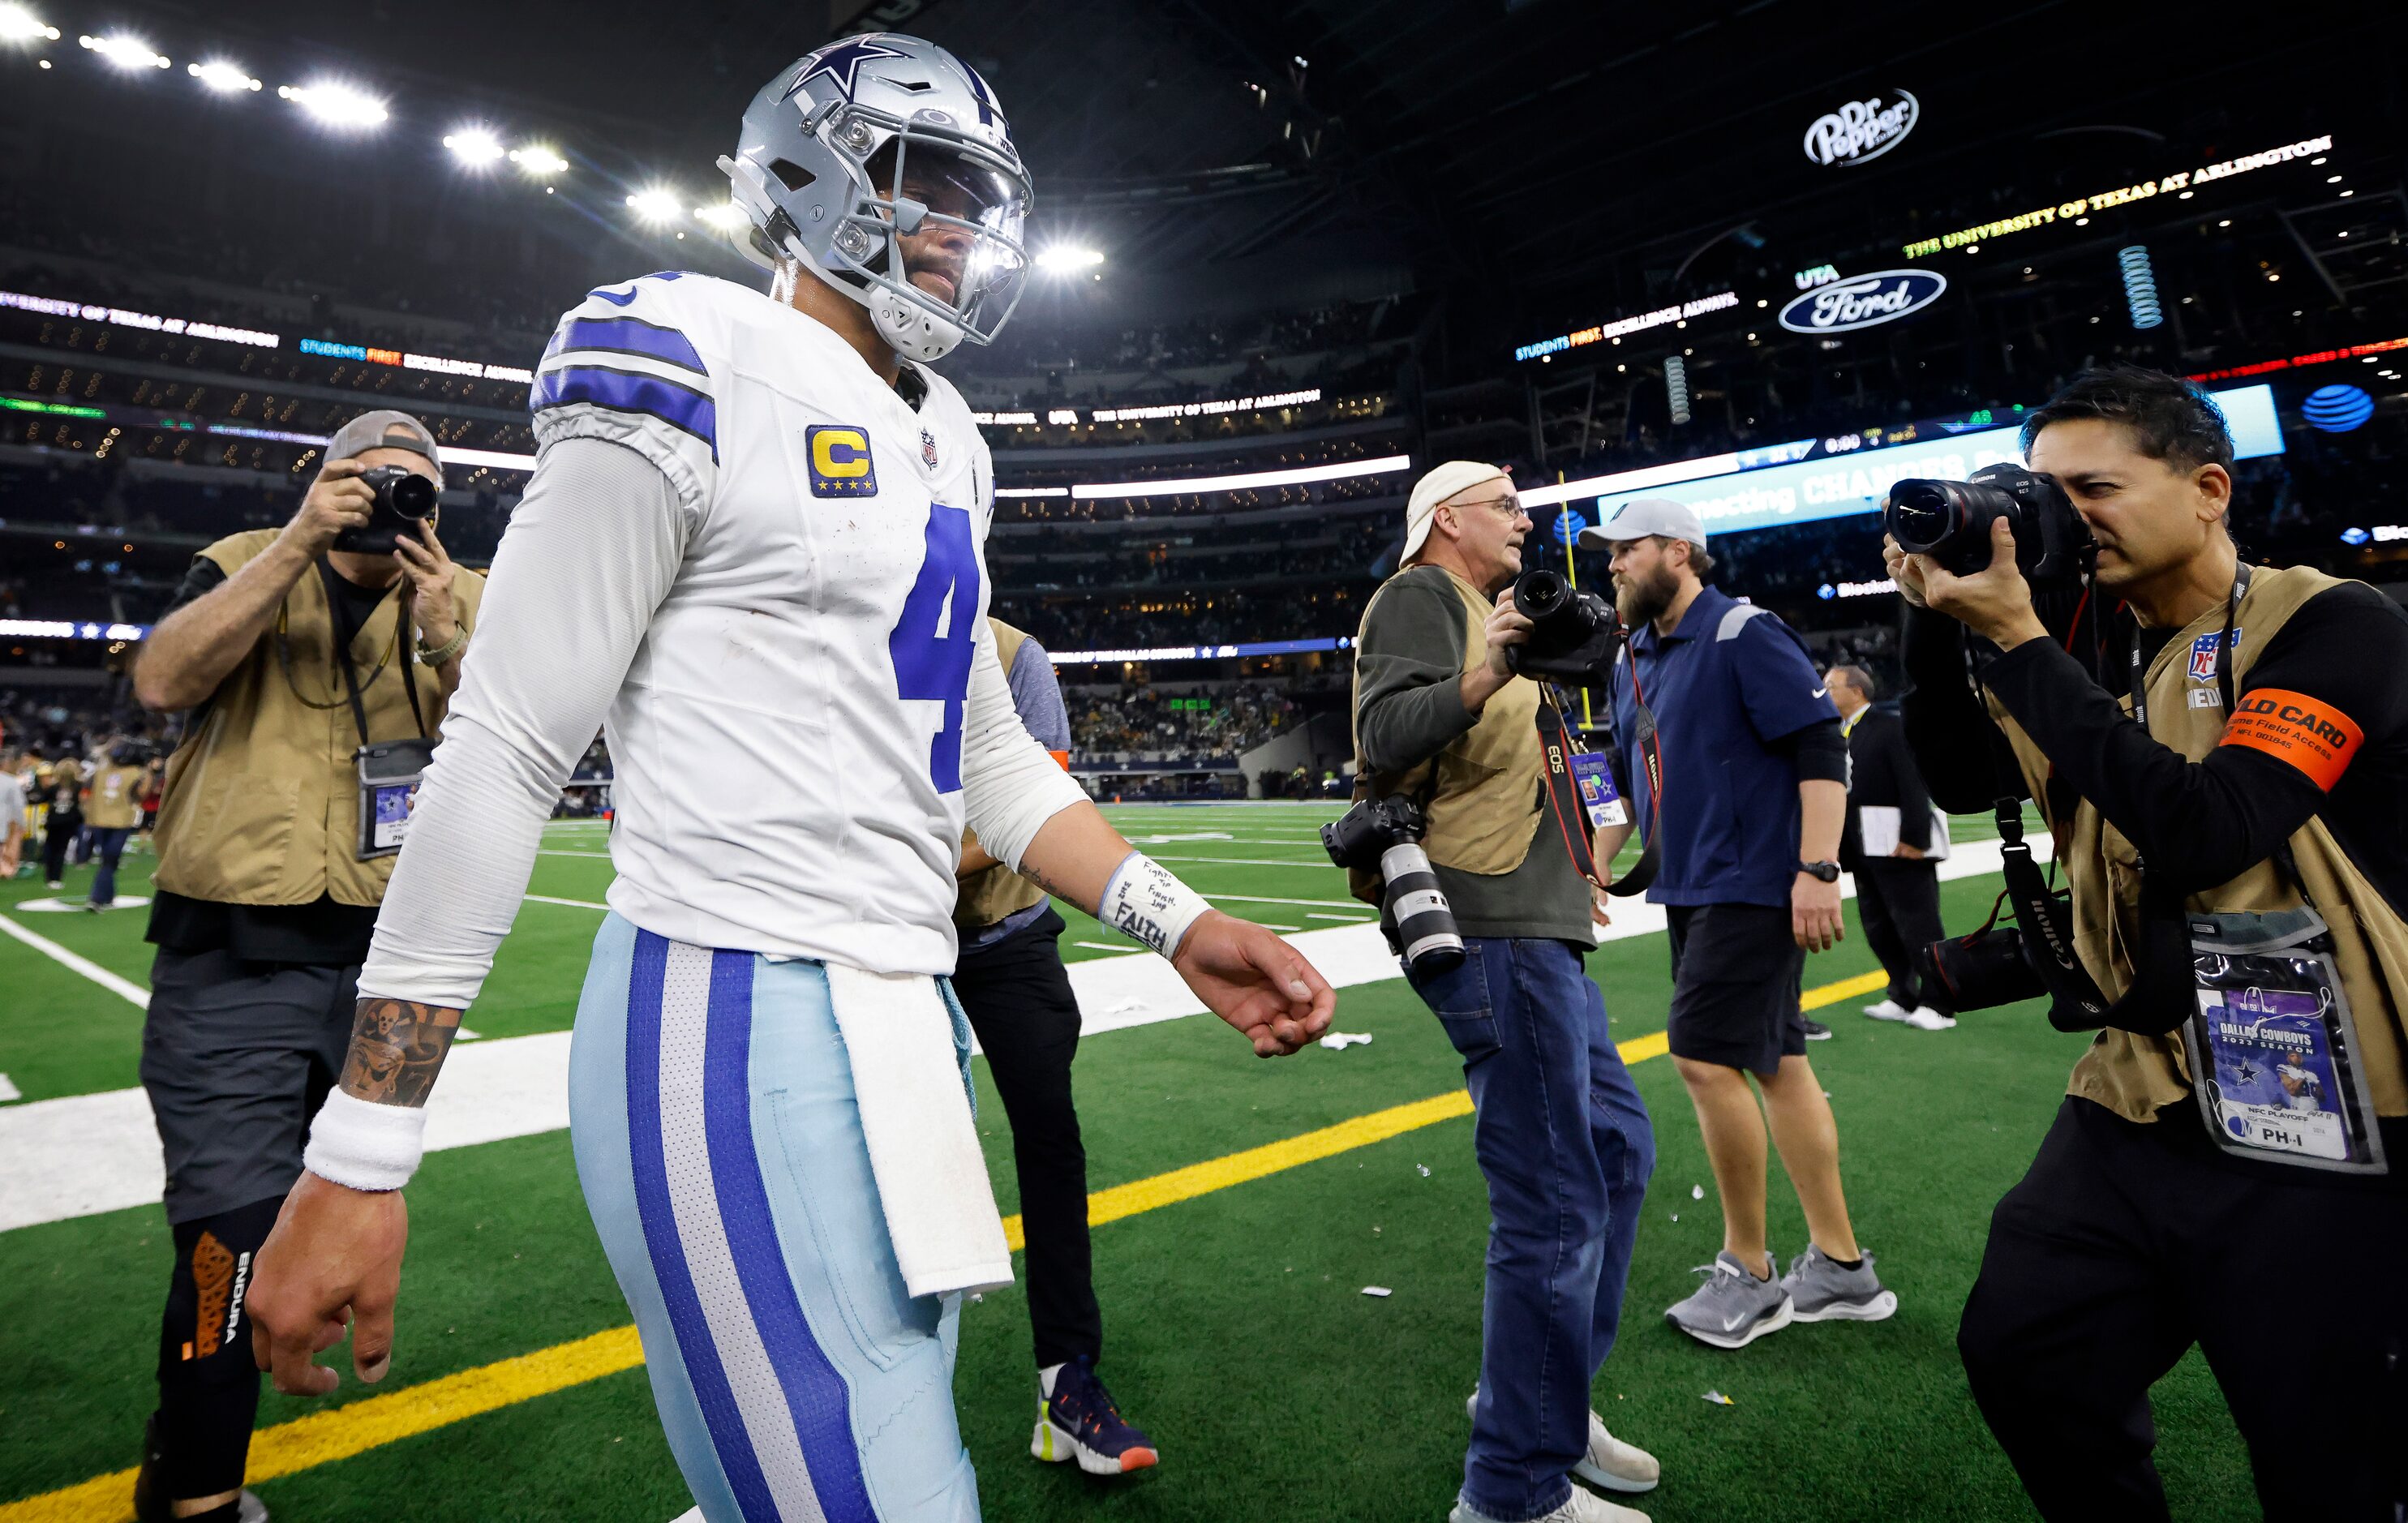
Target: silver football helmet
column 872, row 140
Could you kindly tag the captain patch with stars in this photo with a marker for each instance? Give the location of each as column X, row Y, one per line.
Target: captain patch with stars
column 839, row 461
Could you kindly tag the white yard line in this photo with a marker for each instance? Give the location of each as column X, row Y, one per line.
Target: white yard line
column 84, row 1154
column 574, row 904
column 1107, row 946
column 124, row 989
column 1351, row 920
column 1325, row 864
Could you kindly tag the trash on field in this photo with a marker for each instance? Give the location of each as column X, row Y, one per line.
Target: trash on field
column 1697, row 1192
column 1338, row 1042
column 1676, row 1215
column 1380, row 1290
column 1424, row 1167
column 1718, row 1399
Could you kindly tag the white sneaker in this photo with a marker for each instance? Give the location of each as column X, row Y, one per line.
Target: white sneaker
column 1610, row 1463
column 1927, row 1019
column 1579, row 1507
column 1888, row 1010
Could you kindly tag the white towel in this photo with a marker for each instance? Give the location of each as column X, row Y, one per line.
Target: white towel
column 924, row 1146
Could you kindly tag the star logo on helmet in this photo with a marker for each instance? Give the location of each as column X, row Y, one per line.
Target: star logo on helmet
column 842, row 62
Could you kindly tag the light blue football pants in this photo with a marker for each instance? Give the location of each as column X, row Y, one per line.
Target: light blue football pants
column 712, row 1112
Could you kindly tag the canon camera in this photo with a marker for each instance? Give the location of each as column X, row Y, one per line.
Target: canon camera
column 1950, row 521
column 1574, row 635
column 1383, row 836
column 404, row 501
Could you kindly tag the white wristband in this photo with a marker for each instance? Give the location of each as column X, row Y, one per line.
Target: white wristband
column 366, row 1146
column 1143, row 902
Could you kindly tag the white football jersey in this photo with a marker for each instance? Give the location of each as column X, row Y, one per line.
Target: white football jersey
column 787, row 743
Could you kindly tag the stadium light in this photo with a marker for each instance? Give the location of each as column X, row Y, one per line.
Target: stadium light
column 18, row 24
column 1676, row 387
column 223, row 78
column 727, row 214
column 337, row 105
column 1064, row 257
column 1385, row 466
column 473, row 146
column 655, row 206
column 2140, row 287
column 537, row 159
column 126, row 51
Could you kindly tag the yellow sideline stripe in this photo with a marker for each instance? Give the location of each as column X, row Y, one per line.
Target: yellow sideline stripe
column 324, row 1437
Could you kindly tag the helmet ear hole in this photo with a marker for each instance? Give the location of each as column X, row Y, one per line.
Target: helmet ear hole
column 790, row 174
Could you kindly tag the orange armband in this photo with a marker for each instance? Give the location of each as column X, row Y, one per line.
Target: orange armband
column 2308, row 733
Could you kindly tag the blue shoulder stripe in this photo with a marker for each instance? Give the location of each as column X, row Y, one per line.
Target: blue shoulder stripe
column 627, row 391
column 627, row 335
column 623, row 298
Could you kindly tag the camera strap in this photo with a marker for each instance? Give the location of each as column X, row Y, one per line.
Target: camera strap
column 1651, row 757
column 1563, row 792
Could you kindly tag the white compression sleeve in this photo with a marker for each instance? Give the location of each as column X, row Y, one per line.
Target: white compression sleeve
column 592, row 550
column 1011, row 785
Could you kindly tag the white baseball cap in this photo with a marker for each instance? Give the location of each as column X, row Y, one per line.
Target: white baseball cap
column 1439, row 484
column 1644, row 516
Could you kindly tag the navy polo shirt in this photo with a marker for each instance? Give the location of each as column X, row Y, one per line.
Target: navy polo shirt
column 1728, row 682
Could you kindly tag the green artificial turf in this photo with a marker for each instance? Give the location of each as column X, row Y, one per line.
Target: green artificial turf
column 1235, row 1330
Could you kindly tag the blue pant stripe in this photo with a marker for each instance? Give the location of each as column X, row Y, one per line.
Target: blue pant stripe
column 816, row 1397
column 648, row 1158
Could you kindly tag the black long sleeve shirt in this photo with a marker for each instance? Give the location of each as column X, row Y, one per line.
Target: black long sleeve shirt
column 2196, row 824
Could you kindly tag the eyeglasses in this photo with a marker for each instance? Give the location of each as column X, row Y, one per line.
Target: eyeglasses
column 1509, row 505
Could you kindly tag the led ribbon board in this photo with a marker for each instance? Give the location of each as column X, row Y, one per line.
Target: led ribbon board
column 1811, row 479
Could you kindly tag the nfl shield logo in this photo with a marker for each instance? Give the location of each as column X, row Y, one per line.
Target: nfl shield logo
column 928, row 449
column 2203, row 655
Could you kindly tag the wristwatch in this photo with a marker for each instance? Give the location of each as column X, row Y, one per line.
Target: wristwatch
column 445, row 652
column 1827, row 872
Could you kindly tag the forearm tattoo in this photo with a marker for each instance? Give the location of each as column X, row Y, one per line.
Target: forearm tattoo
column 397, row 1048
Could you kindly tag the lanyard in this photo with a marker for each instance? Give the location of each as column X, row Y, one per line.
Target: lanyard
column 2223, row 654
column 1563, row 795
column 343, row 655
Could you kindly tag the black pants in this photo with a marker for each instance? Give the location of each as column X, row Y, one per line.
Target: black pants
column 2127, row 1244
column 1898, row 901
column 1019, row 1000
column 237, row 1056
column 57, row 836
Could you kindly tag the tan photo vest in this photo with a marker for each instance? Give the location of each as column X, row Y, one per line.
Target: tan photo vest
column 2131, row 1074
column 261, row 803
column 1484, row 788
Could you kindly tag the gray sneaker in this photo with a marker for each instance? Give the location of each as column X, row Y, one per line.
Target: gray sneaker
column 1822, row 1291
column 1733, row 1308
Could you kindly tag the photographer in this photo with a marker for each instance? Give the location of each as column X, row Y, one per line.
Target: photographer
column 2219, row 751
column 110, row 814
column 1562, row 1136
column 315, row 661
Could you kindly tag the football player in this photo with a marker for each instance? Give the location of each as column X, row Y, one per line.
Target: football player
column 756, row 529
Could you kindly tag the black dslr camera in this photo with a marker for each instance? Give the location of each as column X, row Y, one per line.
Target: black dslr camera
column 1950, row 521
column 404, row 501
column 1383, row 836
column 1574, row 635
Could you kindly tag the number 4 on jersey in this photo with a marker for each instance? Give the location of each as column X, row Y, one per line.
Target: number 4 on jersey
column 934, row 639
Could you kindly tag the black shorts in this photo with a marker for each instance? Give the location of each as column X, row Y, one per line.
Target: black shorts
column 1734, row 984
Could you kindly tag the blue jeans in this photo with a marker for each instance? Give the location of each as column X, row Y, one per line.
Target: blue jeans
column 107, row 844
column 1564, row 1142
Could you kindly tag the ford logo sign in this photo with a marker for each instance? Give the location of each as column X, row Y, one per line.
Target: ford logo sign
column 1864, row 301
column 1862, row 130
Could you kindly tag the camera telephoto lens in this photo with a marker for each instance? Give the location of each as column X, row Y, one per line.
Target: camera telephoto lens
column 1948, row 521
